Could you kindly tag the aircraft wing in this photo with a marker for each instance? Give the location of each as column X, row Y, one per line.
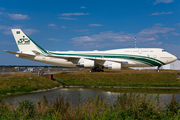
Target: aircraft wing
column 98, row 60
column 73, row 58
column 63, row 56
column 55, row 56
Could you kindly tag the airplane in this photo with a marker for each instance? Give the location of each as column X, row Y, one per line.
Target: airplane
column 96, row 60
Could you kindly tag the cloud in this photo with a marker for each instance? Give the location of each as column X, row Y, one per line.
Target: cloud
column 76, row 14
column 1, row 13
column 158, row 24
column 163, row 13
column 18, row 16
column 121, row 39
column 67, row 18
column 53, row 39
column 178, row 24
column 30, row 31
column 163, row 1
column 155, row 30
column 82, row 7
column 3, row 8
column 65, row 15
column 152, row 34
column 52, row 25
column 7, row 29
column 174, row 33
column 85, row 30
column 63, row 27
column 15, row 16
column 83, row 39
column 96, row 25
column 103, row 36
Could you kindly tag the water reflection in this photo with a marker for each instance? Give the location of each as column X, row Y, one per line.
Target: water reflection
column 79, row 95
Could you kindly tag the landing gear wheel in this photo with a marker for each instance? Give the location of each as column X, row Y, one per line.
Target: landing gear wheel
column 96, row 70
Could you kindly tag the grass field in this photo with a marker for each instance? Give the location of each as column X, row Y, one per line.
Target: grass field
column 24, row 83
column 130, row 78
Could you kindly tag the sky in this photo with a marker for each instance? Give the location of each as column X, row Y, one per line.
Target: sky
column 83, row 25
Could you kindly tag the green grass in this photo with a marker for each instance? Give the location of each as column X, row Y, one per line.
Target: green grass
column 24, row 83
column 20, row 83
column 131, row 78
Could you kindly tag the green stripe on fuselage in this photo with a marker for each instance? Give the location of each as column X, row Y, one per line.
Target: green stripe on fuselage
column 147, row 60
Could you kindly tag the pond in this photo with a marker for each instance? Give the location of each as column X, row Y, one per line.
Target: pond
column 79, row 95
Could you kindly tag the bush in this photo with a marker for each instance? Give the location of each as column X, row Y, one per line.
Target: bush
column 26, row 108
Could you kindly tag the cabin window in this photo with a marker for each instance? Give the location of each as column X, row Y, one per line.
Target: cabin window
column 163, row 50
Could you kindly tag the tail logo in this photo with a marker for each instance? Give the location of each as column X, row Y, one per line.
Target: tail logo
column 23, row 41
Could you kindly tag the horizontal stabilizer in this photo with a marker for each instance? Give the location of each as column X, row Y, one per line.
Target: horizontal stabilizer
column 17, row 53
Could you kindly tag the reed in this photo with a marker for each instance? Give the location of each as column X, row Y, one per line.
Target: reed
column 127, row 106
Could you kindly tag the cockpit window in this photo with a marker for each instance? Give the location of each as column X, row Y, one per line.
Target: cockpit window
column 163, row 50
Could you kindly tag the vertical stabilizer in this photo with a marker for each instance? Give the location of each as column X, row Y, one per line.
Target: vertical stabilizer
column 25, row 43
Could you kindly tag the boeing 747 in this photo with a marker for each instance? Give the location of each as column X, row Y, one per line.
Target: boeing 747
column 95, row 60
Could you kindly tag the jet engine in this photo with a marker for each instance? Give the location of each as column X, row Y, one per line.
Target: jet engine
column 113, row 66
column 86, row 63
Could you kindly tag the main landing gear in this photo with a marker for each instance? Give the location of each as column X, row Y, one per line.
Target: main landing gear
column 96, row 69
column 158, row 69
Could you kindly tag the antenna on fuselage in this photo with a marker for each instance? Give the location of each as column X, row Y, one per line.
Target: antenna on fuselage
column 135, row 42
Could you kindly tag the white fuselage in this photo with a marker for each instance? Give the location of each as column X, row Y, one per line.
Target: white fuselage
column 130, row 57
